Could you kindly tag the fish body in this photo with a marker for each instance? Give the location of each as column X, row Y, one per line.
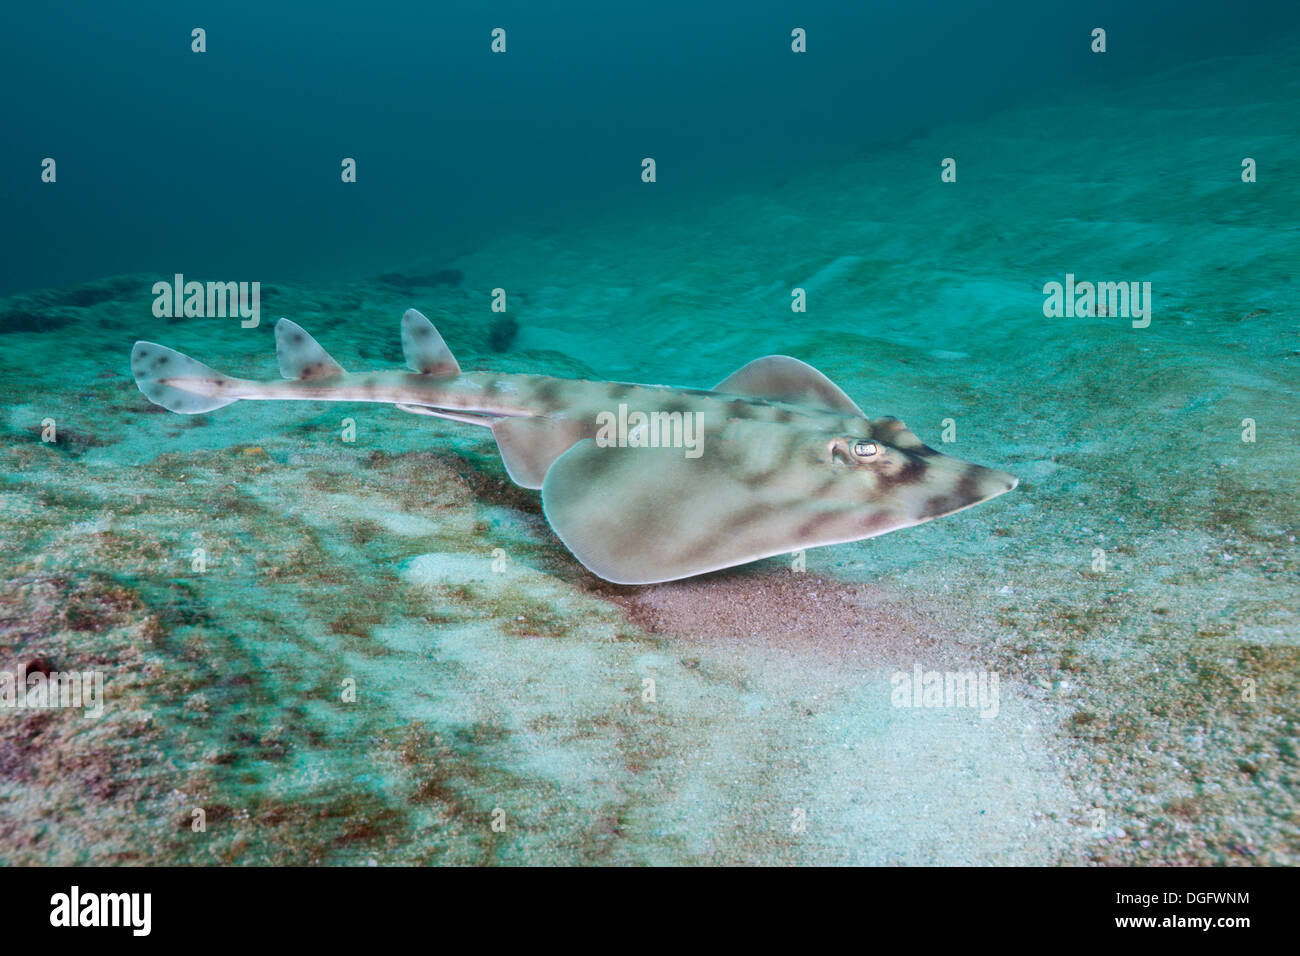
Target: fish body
column 643, row 483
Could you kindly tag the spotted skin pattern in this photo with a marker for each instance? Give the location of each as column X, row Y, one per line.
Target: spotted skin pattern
column 782, row 459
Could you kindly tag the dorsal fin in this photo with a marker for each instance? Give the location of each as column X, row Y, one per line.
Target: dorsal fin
column 424, row 348
column 785, row 379
column 301, row 356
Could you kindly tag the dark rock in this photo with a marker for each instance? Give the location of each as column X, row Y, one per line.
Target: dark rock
column 502, row 333
column 38, row 665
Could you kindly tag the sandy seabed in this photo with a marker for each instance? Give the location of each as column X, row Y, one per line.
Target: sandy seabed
column 1147, row 708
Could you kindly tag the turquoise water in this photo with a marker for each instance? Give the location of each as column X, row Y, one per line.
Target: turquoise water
column 304, row 637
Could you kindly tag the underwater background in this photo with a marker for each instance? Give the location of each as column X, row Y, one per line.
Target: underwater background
column 1137, row 595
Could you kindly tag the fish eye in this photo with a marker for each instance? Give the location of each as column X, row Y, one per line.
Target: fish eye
column 865, row 449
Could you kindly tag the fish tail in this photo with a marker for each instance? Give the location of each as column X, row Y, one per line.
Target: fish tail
column 179, row 383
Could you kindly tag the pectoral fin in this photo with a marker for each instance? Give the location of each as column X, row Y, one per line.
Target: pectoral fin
column 755, row 490
column 645, row 515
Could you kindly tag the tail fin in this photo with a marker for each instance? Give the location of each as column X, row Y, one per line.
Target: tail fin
column 176, row 381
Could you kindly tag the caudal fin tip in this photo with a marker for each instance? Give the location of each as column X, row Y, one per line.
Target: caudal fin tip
column 148, row 358
column 163, row 375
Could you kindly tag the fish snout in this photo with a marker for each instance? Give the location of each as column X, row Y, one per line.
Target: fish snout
column 999, row 480
column 954, row 485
